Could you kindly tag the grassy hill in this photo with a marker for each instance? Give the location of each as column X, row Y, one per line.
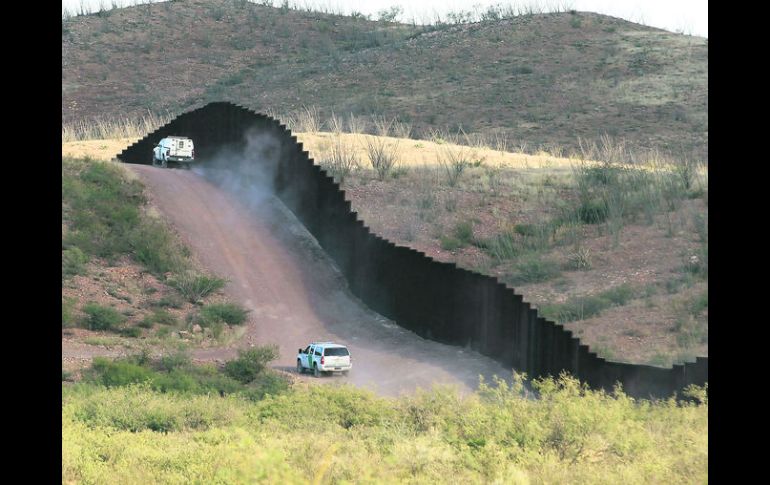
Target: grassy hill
column 533, row 80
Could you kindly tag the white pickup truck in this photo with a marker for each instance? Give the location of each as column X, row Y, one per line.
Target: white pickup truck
column 321, row 357
column 177, row 149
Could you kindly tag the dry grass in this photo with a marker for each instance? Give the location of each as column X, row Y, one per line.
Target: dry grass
column 416, row 153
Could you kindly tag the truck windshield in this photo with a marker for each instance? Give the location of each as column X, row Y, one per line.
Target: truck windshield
column 338, row 351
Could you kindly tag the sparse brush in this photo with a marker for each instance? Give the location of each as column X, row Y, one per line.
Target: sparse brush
column 580, row 258
column 383, row 155
column 335, row 124
column 356, row 124
column 341, row 160
column 454, row 160
column 103, row 129
column 402, row 129
column 382, row 125
column 308, row 120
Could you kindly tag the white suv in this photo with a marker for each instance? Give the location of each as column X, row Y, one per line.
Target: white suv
column 178, row 149
column 321, row 357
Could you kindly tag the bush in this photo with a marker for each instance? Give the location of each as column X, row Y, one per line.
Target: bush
column 251, row 363
column 533, row 269
column 118, row 372
column 464, row 232
column 382, row 155
column 101, row 318
column 579, row 308
column 67, row 318
column 177, row 360
column 73, row 262
column 449, row 243
column 194, row 287
column 171, row 301
column 134, row 332
column 163, row 317
column 502, row 246
column 593, row 211
column 230, row 313
column 265, row 384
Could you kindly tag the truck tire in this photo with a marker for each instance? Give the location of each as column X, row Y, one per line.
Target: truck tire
column 316, row 372
column 300, row 369
column 163, row 164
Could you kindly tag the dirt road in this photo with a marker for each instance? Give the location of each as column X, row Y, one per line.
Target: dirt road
column 295, row 294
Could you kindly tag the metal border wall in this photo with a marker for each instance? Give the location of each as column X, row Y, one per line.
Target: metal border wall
column 436, row 300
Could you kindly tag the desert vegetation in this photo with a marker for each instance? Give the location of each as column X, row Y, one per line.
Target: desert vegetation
column 243, row 423
column 550, row 226
column 125, row 274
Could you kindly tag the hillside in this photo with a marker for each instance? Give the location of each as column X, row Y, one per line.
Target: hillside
column 535, row 80
column 631, row 281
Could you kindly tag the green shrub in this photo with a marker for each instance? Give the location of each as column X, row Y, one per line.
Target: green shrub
column 73, row 262
column 502, row 246
column 464, row 232
column 133, row 332
column 266, row 383
column 525, row 229
column 450, row 243
column 533, row 269
column 67, row 309
column 118, row 372
column 230, row 313
column 593, row 211
column 580, row 308
column 98, row 317
column 170, row 301
column 163, row 317
column 194, row 286
column 619, row 295
column 177, row 360
column 251, row 363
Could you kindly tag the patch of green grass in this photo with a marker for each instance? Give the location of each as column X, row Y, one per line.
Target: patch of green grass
column 580, row 308
column 464, row 232
column 133, row 332
column 67, row 312
column 73, row 262
column 699, row 303
column 533, row 269
column 170, row 301
column 103, row 210
column 98, row 317
column 450, row 243
column 163, row 317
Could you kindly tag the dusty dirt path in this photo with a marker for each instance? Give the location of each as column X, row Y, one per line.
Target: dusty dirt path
column 295, row 294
